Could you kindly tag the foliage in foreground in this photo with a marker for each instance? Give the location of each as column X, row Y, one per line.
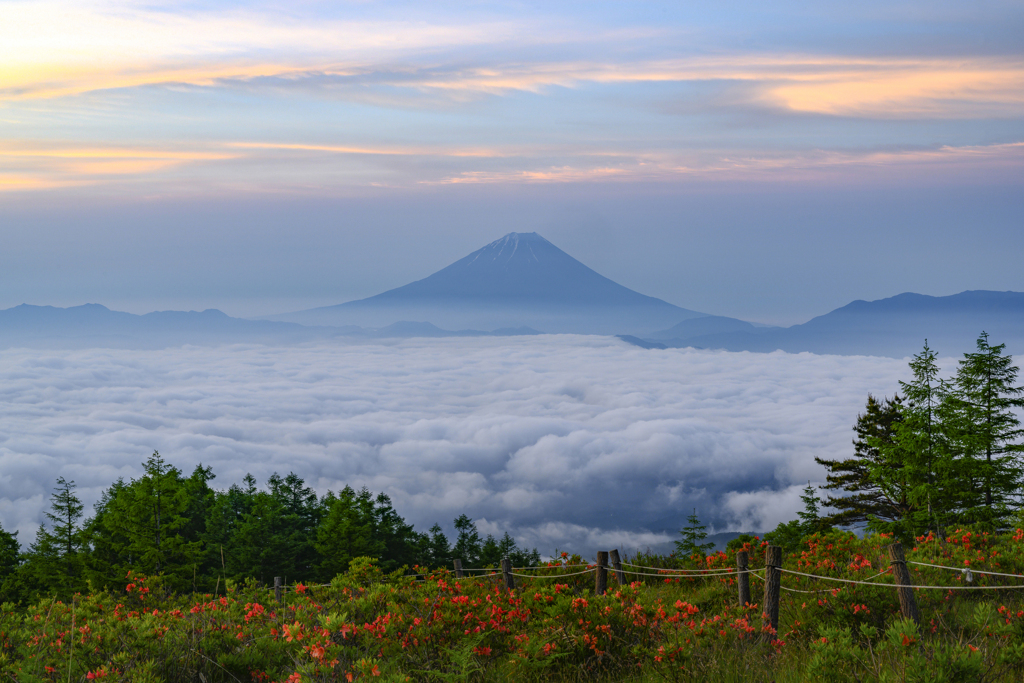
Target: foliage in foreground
column 367, row 625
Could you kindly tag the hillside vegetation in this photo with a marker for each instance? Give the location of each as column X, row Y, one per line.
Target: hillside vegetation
column 659, row 625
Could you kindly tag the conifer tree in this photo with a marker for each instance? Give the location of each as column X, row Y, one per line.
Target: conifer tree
column 877, row 479
column 347, row 531
column 692, row 534
column 983, row 431
column 54, row 561
column 468, row 545
column 810, row 518
column 10, row 561
column 438, row 549
column 919, row 435
column 141, row 525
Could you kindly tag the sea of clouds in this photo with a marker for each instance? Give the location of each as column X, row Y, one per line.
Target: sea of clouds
column 574, row 442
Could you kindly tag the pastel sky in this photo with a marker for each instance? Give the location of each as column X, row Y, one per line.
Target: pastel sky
column 765, row 160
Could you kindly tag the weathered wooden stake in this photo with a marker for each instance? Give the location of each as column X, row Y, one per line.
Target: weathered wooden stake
column 601, row 575
column 506, row 572
column 278, row 589
column 458, row 569
column 620, row 576
column 742, row 577
column 908, row 603
column 772, row 580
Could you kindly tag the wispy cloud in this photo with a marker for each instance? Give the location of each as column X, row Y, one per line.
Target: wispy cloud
column 387, row 97
column 53, row 49
column 257, row 163
column 49, row 166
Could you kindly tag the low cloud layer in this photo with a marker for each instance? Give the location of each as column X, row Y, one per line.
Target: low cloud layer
column 567, row 441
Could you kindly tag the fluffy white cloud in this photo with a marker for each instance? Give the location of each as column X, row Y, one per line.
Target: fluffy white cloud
column 568, row 441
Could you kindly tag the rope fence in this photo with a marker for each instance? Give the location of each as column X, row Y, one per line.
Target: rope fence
column 770, row 575
column 966, row 570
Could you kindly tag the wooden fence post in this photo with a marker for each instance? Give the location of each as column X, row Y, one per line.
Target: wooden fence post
column 772, row 580
column 278, row 589
column 601, row 576
column 458, row 569
column 743, row 577
column 620, row 576
column 908, row 603
column 506, row 571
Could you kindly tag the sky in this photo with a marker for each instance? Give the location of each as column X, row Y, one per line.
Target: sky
column 579, row 443
column 765, row 161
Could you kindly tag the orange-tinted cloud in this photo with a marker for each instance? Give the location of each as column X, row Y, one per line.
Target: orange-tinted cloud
column 52, row 49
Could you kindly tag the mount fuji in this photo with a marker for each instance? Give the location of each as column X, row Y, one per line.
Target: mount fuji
column 520, row 280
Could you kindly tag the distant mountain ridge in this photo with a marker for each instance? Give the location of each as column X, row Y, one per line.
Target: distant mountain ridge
column 521, row 279
column 93, row 325
column 896, row 326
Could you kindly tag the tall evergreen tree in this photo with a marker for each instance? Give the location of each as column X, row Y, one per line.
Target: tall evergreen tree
column 143, row 524
column 810, row 517
column 296, row 528
column 10, row 561
column 438, row 551
column 877, row 480
column 468, row 545
column 788, row 535
column 984, row 431
column 347, row 531
column 54, row 562
column 919, row 435
column 692, row 534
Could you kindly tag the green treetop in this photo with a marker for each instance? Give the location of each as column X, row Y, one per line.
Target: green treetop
column 692, row 534
column 983, row 430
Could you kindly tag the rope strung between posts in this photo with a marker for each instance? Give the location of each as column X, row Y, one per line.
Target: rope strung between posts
column 553, row 576
column 797, row 590
column 554, row 566
column 700, row 572
column 828, row 590
column 730, row 572
column 964, row 570
column 893, row 585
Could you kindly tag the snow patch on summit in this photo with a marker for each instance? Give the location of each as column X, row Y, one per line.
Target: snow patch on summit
column 497, row 248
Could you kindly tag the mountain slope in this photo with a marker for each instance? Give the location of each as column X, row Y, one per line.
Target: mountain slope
column 93, row 325
column 896, row 327
column 519, row 280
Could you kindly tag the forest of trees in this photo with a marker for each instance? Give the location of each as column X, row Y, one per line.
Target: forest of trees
column 198, row 538
column 941, row 453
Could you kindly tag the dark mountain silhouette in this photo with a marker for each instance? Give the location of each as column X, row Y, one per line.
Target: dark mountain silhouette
column 896, row 327
column 521, row 279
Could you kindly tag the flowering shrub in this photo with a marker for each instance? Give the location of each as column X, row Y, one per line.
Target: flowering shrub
column 371, row 626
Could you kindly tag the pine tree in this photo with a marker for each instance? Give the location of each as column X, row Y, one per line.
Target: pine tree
column 877, row 478
column 468, row 545
column 347, row 531
column 439, row 550
column 54, row 561
column 296, row 527
column 810, row 518
column 225, row 515
column 10, row 561
column 142, row 525
column 919, row 434
column 692, row 534
column 396, row 536
column 983, row 431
